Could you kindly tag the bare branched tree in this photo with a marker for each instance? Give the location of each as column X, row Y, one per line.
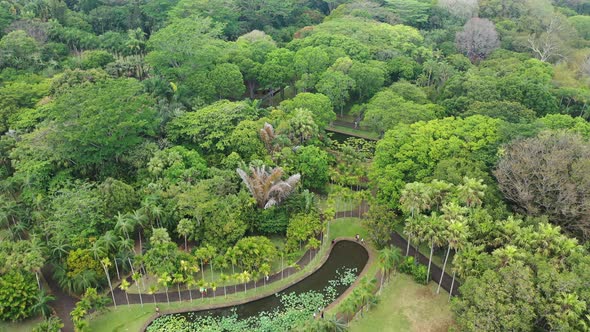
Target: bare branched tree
column 548, row 175
column 548, row 44
column 478, row 38
column 266, row 185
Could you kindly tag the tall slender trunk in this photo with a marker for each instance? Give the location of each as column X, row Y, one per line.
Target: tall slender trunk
column 211, row 267
column 443, row 270
column 179, row 296
column 127, row 297
column 430, row 261
column 154, row 295
column 167, row 298
column 224, row 291
column 233, row 271
column 190, row 293
column 117, row 268
column 140, row 297
column 452, row 284
column 140, row 246
column 106, row 272
column 38, row 282
column 202, row 271
column 282, row 269
column 408, row 246
column 185, row 244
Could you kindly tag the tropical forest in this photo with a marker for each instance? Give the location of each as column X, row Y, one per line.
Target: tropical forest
column 294, row 165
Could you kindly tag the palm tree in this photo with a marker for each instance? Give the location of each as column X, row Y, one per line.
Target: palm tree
column 412, row 228
column 415, row 198
column 136, row 276
column 152, row 291
column 265, row 185
column 224, row 278
column 471, row 192
column 178, row 279
column 163, row 281
column 456, row 234
column 312, row 244
column 433, row 234
column 41, row 305
column 244, row 277
column 232, row 255
column 124, row 224
column 124, row 287
column 111, row 242
column 349, row 307
column 388, row 258
column 213, row 288
column 202, row 287
column 190, row 282
column 105, row 262
column 184, row 229
column 265, row 270
column 139, row 218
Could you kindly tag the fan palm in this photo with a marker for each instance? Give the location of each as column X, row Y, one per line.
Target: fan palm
column 265, row 185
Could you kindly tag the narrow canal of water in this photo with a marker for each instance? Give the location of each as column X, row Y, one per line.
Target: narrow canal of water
column 344, row 255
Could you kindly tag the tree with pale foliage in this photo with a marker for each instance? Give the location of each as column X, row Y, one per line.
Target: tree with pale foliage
column 266, row 185
column 478, row 39
column 464, row 9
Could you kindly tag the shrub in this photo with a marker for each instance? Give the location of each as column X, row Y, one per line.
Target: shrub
column 413, row 268
column 407, row 265
column 17, row 295
column 419, row 272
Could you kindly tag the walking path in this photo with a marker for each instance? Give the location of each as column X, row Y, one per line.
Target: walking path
column 65, row 303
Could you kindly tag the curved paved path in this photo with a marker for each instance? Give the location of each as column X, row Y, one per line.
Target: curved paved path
column 65, row 303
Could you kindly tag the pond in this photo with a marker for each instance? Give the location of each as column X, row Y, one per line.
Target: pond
column 345, row 255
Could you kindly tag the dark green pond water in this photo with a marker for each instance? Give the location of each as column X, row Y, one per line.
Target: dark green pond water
column 344, row 255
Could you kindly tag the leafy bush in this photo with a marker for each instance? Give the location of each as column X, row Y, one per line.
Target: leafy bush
column 413, row 268
column 407, row 265
column 18, row 292
column 419, row 272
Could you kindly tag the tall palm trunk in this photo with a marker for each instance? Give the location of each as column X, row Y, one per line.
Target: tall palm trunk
column 38, row 282
column 408, row 246
column 117, row 268
column 179, row 296
column 443, row 270
column 430, row 261
column 167, row 298
column 452, row 284
column 106, row 272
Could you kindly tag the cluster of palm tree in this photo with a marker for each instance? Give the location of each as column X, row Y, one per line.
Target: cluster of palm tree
column 362, row 298
column 389, row 258
column 448, row 229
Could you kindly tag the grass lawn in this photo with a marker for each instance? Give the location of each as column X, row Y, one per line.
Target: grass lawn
column 24, row 326
column 340, row 203
column 132, row 318
column 354, row 132
column 407, row 306
column 347, row 227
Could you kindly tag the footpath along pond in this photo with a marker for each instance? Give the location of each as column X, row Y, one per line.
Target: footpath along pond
column 345, row 262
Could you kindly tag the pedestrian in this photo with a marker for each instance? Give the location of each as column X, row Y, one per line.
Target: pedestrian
column 363, row 240
column 357, row 237
column 314, row 315
column 157, row 310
